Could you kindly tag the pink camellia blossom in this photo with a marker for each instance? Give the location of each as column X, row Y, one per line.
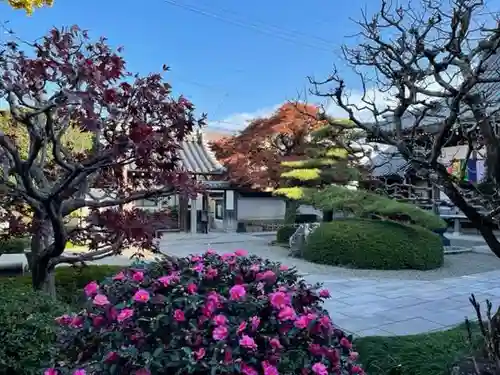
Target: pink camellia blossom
column 101, row 300
column 255, row 268
column 119, row 276
column 80, row 372
column 248, row 370
column 192, row 288
column 279, row 300
column 166, row 280
column 269, row 369
column 76, row 322
column 302, row 322
column 211, row 273
column 63, row 320
column 220, row 320
column 255, row 321
column 319, row 369
column 179, row 315
column 211, row 252
column 111, row 357
column 275, row 343
column 283, row 268
column 242, row 327
column 199, row 267
column 237, row 292
column 98, row 321
column 287, row 313
column 357, row 370
column 316, row 349
column 227, row 256
column 138, row 276
column 267, row 276
column 141, row 296
column 325, row 322
column 220, row 333
column 247, row 342
column 142, row 371
column 324, row 293
column 345, row 343
column 91, row 288
column 353, row 356
column 199, row 354
column 50, row 371
column 195, row 258
column 241, row 253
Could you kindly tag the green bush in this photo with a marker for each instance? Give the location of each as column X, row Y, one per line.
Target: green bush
column 71, row 280
column 363, row 243
column 306, row 218
column 27, row 328
column 14, row 245
column 284, row 233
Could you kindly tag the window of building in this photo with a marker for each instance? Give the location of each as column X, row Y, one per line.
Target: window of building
column 219, row 213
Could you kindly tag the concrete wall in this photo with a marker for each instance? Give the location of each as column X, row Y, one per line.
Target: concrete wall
column 267, row 208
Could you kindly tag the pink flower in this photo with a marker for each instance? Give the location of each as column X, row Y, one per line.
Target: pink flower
column 255, row 321
column 199, row 354
column 91, row 288
column 275, row 343
column 237, row 292
column 353, row 356
column 357, row 370
column 269, row 369
column 316, row 349
column 267, row 276
column 227, row 256
column 165, row 280
column 242, row 327
column 220, row 333
column 345, row 343
column 179, row 315
column 143, row 371
column 192, row 288
column 97, row 321
column 101, row 300
column 325, row 322
column 64, row 319
column 141, row 296
column 199, row 267
column 319, row 369
column 111, row 357
column 76, row 322
column 195, row 258
column 302, row 322
column 138, row 276
column 283, row 268
column 255, row 268
column 241, row 253
column 80, row 372
column 279, row 300
column 248, row 370
column 50, row 371
column 220, row 320
column 119, row 276
column 211, row 251
column 211, row 273
column 324, row 293
column 286, row 313
column 248, row 342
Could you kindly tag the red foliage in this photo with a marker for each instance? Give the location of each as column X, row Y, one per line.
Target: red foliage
column 253, row 157
column 69, row 81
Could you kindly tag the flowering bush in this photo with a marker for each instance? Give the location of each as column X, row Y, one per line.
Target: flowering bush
column 206, row 314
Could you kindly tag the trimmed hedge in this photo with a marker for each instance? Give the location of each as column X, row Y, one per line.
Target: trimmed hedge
column 71, row 280
column 14, row 245
column 374, row 244
column 27, row 327
column 284, row 233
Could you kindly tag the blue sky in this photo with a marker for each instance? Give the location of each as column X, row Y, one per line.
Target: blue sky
column 230, row 71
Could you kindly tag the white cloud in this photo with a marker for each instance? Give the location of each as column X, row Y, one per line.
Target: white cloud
column 239, row 121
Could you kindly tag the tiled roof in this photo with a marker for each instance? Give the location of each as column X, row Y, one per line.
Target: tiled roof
column 197, row 158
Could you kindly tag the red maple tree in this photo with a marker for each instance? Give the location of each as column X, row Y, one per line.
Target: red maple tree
column 68, row 81
column 253, row 158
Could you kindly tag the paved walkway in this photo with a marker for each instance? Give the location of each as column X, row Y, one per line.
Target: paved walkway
column 376, row 303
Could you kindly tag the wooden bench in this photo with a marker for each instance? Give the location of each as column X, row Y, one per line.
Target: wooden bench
column 457, row 219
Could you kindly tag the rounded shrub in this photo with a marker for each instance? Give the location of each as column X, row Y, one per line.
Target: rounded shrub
column 27, row 328
column 379, row 244
column 202, row 315
column 14, row 245
column 284, row 233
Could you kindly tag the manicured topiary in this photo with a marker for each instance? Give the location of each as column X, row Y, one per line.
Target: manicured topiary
column 203, row 315
column 284, row 233
column 378, row 244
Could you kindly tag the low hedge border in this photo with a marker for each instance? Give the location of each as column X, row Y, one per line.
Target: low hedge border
column 374, row 244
